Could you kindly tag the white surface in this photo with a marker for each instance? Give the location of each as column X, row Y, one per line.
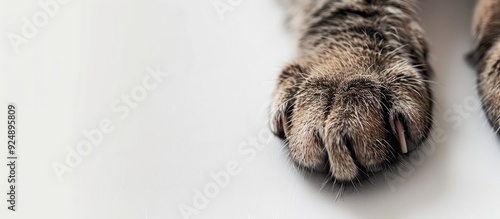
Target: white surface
column 215, row 99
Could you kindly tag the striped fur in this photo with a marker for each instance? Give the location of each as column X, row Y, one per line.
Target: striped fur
column 362, row 66
column 486, row 57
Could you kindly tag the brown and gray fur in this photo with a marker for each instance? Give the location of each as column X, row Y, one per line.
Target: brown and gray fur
column 361, row 68
column 486, row 57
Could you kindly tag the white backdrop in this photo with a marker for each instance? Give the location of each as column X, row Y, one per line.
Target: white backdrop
column 162, row 106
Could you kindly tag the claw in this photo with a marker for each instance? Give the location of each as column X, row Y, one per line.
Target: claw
column 401, row 136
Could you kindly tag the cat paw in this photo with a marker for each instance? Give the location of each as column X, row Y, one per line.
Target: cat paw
column 350, row 125
column 489, row 87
